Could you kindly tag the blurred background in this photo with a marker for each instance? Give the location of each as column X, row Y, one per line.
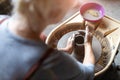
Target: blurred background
column 112, row 9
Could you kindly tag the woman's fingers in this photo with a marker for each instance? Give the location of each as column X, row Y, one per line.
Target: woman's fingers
column 70, row 40
column 69, row 46
column 88, row 35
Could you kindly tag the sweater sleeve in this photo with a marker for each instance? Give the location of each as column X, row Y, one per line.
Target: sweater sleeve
column 88, row 70
column 62, row 66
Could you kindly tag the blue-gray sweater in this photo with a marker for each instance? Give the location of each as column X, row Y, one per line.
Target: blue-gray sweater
column 17, row 55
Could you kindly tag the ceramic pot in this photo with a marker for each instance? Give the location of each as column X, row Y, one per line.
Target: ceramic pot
column 78, row 44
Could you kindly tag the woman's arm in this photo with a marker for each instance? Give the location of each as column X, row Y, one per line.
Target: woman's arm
column 89, row 55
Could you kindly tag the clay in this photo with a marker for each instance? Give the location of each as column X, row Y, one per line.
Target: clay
column 78, row 44
column 96, row 45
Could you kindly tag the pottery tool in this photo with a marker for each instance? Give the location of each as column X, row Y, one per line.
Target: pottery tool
column 110, row 31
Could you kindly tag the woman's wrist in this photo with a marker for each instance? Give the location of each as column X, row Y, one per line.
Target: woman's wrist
column 88, row 47
column 88, row 44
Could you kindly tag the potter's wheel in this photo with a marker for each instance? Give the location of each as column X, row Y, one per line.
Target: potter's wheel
column 97, row 49
column 109, row 43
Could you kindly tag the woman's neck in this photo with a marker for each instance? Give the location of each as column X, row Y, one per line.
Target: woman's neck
column 21, row 27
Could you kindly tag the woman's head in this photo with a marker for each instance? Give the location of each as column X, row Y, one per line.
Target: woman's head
column 42, row 11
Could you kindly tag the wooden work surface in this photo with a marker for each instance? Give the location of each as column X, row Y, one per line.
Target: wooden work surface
column 106, row 31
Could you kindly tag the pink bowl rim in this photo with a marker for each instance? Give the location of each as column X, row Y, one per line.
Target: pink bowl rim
column 95, row 3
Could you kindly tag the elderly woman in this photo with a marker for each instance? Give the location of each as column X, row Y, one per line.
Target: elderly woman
column 21, row 46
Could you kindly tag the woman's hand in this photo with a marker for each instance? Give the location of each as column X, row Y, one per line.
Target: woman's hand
column 69, row 45
column 88, row 36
